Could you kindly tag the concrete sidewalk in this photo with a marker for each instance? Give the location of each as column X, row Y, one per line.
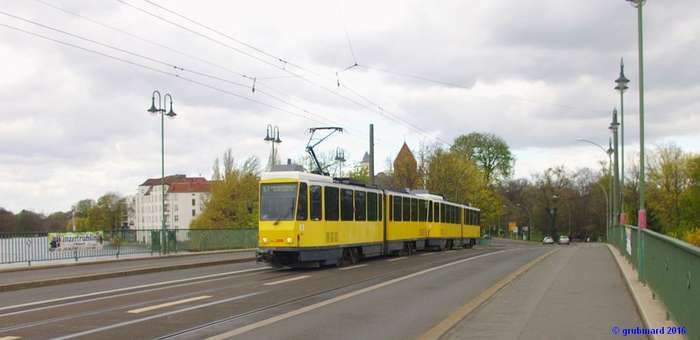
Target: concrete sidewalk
column 44, row 276
column 576, row 293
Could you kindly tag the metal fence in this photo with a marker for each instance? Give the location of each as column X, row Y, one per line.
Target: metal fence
column 670, row 267
column 36, row 247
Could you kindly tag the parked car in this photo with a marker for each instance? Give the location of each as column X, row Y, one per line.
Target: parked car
column 564, row 240
column 548, row 240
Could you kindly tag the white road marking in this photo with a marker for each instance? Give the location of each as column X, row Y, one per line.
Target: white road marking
column 263, row 323
column 286, row 280
column 168, row 304
column 450, row 251
column 10, row 338
column 426, row 254
column 156, row 316
column 189, row 279
column 354, row 267
column 397, row 259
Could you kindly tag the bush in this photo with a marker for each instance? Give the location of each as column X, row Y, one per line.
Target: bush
column 693, row 237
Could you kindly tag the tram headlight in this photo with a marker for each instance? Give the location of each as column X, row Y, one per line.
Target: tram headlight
column 264, row 239
column 289, row 240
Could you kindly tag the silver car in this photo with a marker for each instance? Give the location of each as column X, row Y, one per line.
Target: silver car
column 548, row 240
column 564, row 240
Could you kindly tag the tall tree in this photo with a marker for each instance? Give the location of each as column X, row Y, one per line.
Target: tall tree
column 8, row 221
column 490, row 153
column 234, row 199
column 668, row 178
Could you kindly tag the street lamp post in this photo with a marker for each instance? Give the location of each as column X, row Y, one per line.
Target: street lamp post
column 614, row 126
column 609, row 151
column 642, row 216
column 160, row 109
column 273, row 136
column 621, row 87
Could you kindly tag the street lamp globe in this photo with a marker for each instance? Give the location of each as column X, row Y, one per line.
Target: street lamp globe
column 622, row 81
column 153, row 110
column 636, row 3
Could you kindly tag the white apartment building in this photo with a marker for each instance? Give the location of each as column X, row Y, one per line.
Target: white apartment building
column 184, row 200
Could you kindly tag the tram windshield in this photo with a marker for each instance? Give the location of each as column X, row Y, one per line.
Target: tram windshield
column 277, row 201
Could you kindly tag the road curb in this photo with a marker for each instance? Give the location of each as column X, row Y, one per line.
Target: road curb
column 74, row 279
column 456, row 317
column 652, row 311
column 128, row 259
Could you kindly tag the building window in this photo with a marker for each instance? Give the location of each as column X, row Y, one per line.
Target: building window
column 193, row 202
column 176, row 218
column 193, row 212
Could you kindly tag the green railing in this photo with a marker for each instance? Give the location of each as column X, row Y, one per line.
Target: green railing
column 41, row 246
column 670, row 267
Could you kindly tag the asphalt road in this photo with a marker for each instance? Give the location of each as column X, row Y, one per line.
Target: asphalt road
column 379, row 299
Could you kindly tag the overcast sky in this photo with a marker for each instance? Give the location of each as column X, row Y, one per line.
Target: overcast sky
column 537, row 73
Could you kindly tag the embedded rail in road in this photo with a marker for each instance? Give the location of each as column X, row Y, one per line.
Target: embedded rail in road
column 244, row 297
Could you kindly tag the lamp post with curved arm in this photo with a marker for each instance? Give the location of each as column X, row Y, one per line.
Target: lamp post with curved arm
column 160, row 109
column 609, row 151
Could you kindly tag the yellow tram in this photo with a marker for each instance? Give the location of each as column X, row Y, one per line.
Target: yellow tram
column 312, row 220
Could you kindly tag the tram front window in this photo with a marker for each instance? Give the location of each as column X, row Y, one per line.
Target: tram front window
column 277, row 201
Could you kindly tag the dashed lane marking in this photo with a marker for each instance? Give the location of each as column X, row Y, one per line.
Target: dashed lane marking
column 155, row 284
column 426, row 254
column 168, row 304
column 354, row 267
column 266, row 322
column 397, row 259
column 156, row 316
column 10, row 338
column 301, row 277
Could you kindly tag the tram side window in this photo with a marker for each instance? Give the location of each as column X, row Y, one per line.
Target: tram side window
column 422, row 212
column 478, row 217
column 381, row 206
column 371, row 206
column 442, row 213
column 436, row 212
column 397, row 208
column 414, row 209
column 315, row 198
column 406, row 209
column 360, row 205
column 430, row 211
column 460, row 215
column 331, row 202
column 302, row 202
column 346, row 206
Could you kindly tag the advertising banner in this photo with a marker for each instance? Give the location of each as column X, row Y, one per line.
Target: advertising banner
column 75, row 240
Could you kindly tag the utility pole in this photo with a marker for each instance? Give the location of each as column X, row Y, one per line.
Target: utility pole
column 371, row 154
column 614, row 125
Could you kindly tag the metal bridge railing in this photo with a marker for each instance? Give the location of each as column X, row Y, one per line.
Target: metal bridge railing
column 37, row 246
column 670, row 267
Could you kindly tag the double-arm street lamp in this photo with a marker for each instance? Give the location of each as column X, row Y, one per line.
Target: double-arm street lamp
column 273, row 136
column 155, row 110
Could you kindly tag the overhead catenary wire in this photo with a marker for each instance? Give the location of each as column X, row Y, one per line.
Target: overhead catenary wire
column 156, row 70
column 164, row 63
column 255, row 80
column 238, row 50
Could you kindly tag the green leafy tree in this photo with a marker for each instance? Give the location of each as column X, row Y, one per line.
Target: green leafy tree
column 8, row 221
column 234, row 198
column 360, row 173
column 490, row 153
